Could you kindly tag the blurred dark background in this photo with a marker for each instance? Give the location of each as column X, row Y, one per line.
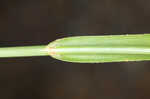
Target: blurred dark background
column 35, row 22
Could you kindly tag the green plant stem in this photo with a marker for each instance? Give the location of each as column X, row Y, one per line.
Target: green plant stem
column 24, row 51
column 89, row 49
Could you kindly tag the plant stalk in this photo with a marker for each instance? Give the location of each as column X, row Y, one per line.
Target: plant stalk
column 23, row 51
column 89, row 49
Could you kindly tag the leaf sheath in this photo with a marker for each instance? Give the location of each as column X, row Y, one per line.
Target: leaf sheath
column 99, row 49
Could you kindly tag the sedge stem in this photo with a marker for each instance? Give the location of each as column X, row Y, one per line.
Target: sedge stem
column 23, row 51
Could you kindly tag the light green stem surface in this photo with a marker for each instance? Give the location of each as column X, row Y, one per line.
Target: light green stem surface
column 89, row 49
column 23, row 51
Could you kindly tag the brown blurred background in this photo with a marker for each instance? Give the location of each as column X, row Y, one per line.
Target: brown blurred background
column 34, row 22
